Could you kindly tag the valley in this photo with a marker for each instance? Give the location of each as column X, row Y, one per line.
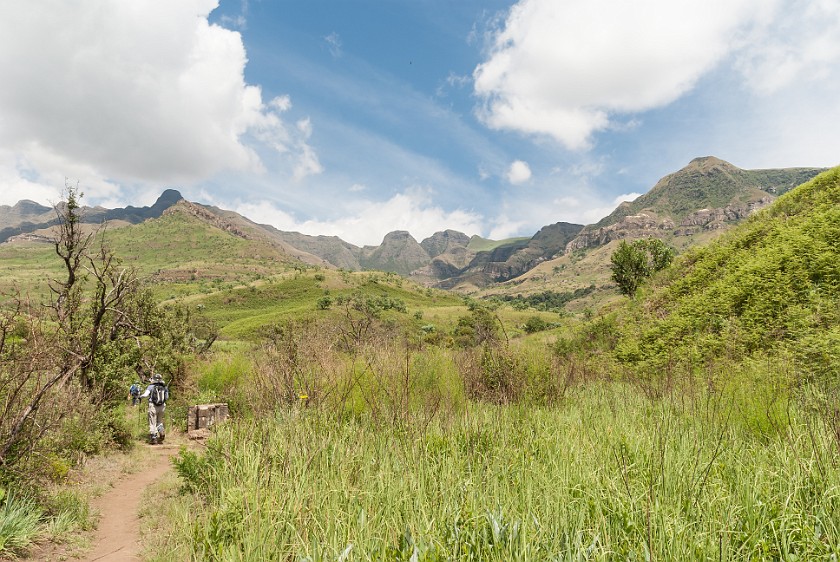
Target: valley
column 455, row 398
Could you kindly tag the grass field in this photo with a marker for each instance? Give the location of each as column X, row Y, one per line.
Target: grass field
column 606, row 475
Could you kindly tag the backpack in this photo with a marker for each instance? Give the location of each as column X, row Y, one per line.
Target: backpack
column 159, row 394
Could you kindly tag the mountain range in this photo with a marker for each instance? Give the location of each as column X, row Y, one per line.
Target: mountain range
column 708, row 194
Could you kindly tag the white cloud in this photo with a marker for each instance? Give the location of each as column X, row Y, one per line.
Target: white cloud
column 131, row 92
column 505, row 227
column 562, row 69
column 307, row 163
column 626, row 197
column 795, row 46
column 334, row 44
column 368, row 222
column 281, row 103
column 518, row 172
column 240, row 20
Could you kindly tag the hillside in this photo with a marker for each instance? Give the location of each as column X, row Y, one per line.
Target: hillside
column 685, row 208
column 770, row 286
column 707, row 194
column 177, row 252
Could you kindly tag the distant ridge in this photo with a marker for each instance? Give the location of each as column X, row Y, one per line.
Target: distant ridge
column 28, row 216
column 707, row 194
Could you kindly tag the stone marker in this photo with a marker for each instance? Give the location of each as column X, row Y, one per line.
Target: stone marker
column 203, row 416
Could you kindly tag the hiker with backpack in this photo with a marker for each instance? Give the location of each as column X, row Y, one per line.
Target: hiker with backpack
column 158, row 393
column 134, row 393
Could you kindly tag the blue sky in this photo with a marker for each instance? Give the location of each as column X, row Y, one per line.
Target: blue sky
column 355, row 118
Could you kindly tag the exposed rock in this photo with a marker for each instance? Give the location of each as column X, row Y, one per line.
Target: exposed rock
column 399, row 253
column 443, row 242
column 205, row 215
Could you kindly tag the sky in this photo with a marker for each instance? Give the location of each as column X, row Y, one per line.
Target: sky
column 355, row 118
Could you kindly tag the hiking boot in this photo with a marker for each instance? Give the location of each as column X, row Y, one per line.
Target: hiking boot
column 153, row 439
column 160, row 437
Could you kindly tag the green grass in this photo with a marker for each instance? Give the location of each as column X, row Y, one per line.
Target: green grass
column 478, row 244
column 19, row 523
column 243, row 311
column 607, row 475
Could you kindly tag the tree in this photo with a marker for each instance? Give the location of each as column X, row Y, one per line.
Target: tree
column 74, row 353
column 632, row 263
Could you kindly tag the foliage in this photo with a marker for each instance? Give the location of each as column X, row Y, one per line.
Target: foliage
column 550, row 301
column 481, row 325
column 605, row 474
column 19, row 519
column 64, row 363
column 536, row 324
column 770, row 286
column 633, row 262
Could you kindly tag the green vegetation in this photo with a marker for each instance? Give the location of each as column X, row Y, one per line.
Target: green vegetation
column 607, row 475
column 478, row 244
column 377, row 420
column 19, row 522
column 769, row 287
column 550, row 301
column 635, row 261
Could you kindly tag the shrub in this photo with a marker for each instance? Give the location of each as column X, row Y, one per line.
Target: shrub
column 535, row 324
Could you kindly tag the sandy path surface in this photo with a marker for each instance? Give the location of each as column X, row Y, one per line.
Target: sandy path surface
column 118, row 534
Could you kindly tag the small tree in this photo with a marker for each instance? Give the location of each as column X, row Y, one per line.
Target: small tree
column 634, row 262
column 99, row 328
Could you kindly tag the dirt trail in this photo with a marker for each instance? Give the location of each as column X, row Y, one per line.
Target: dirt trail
column 118, row 533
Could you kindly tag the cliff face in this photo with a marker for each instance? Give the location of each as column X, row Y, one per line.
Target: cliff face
column 443, row 242
column 643, row 225
column 399, row 252
column 504, row 262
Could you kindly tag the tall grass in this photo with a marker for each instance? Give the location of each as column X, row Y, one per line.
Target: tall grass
column 608, row 474
column 19, row 523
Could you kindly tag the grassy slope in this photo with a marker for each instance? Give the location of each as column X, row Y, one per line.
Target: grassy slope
column 710, row 183
column 478, row 244
column 177, row 253
column 772, row 283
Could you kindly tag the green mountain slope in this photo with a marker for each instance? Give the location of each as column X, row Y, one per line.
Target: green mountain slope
column 706, row 195
column 175, row 248
column 710, row 183
column 772, row 285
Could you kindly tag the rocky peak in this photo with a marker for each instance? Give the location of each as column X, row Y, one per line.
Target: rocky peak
column 27, row 207
column 445, row 241
column 706, row 164
column 168, row 198
column 399, row 253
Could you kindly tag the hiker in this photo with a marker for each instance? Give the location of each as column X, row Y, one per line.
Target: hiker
column 134, row 393
column 157, row 392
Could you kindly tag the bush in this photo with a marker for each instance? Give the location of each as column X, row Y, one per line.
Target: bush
column 535, row 324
